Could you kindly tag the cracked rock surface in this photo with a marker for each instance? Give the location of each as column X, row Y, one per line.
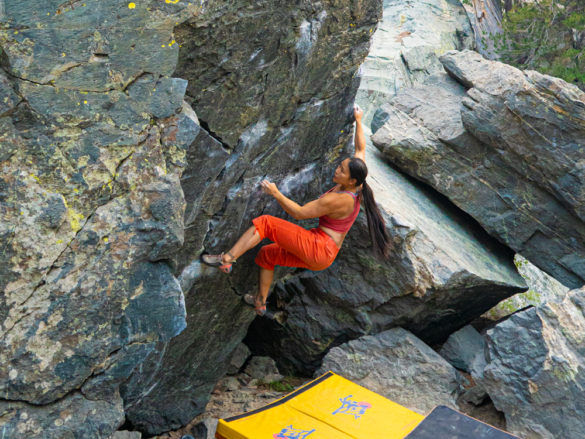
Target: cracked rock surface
column 273, row 86
column 506, row 150
column 91, row 207
column 535, row 369
column 111, row 185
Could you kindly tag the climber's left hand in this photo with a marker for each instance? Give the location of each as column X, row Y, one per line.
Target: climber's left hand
column 269, row 188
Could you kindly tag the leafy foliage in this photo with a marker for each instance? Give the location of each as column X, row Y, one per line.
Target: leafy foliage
column 544, row 35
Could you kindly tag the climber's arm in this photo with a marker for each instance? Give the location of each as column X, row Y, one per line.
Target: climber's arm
column 360, row 138
column 325, row 205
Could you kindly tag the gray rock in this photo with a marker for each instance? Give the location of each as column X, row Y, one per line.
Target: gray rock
column 261, row 90
column 54, row 214
column 8, row 98
column 124, row 434
column 238, row 358
column 230, row 384
column 263, row 368
column 428, row 285
column 205, row 429
column 534, row 374
column 484, row 114
column 90, row 115
column 471, row 154
column 475, row 395
column 89, row 418
column 10, row 143
column 398, row 366
column 485, row 17
column 542, row 289
column 89, row 206
column 405, row 48
column 164, row 96
column 464, row 349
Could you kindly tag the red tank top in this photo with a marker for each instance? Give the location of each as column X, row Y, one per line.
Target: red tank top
column 344, row 224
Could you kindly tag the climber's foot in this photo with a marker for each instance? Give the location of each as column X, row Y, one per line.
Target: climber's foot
column 256, row 302
column 222, row 261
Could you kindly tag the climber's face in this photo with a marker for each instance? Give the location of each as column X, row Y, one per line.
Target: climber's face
column 342, row 175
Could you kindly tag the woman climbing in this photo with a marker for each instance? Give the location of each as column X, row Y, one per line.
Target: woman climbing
column 315, row 249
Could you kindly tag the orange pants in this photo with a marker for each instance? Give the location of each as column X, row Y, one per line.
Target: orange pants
column 293, row 246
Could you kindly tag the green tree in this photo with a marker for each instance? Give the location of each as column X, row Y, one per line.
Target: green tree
column 544, row 35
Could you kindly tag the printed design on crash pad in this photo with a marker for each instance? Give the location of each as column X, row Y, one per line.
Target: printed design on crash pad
column 292, row 433
column 352, row 407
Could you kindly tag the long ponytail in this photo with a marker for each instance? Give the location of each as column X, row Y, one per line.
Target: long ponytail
column 381, row 241
column 383, row 245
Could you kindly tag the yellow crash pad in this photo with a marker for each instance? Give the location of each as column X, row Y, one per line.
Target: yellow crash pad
column 329, row 407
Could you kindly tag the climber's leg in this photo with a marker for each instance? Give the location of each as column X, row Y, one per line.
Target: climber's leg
column 312, row 249
column 251, row 238
column 266, row 277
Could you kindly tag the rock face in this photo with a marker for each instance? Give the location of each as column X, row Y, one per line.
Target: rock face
column 464, row 349
column 444, row 270
column 91, row 206
column 535, row 369
column 264, row 79
column 407, row 45
column 75, row 412
column 398, row 366
column 505, row 150
column 542, row 289
column 238, row 358
column 110, row 186
column 485, row 17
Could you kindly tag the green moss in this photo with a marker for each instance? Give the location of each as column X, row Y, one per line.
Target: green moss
column 564, row 373
column 369, row 262
column 281, row 386
column 532, row 296
column 285, row 385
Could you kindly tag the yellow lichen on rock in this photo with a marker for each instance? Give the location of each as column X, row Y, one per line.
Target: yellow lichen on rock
column 75, row 218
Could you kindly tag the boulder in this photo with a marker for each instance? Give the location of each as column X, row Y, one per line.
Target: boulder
column 464, row 349
column 263, row 368
column 205, row 429
column 440, row 275
column 519, row 176
column 542, row 289
column 398, row 366
column 475, row 395
column 89, row 418
column 112, row 185
column 239, row 357
column 262, row 82
column 534, row 374
column 91, row 207
column 405, row 48
column 443, row 273
column 485, row 17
